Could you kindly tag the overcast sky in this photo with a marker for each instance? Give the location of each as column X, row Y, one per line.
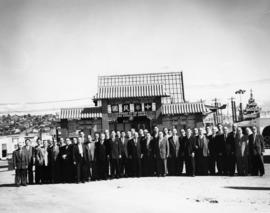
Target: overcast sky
column 55, row 49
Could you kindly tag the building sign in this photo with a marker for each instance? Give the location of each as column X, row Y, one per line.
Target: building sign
column 126, row 108
column 115, row 108
column 148, row 107
column 138, row 107
column 130, row 108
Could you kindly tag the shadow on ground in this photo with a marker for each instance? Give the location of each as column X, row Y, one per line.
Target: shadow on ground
column 247, row 188
column 8, row 185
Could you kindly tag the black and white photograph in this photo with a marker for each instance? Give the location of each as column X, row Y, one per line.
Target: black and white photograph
column 134, row 106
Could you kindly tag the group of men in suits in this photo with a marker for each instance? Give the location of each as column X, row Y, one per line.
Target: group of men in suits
column 213, row 150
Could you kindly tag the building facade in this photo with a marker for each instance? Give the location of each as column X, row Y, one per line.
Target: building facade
column 135, row 101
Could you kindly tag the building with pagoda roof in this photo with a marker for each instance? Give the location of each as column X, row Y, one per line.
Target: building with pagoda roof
column 252, row 109
column 135, row 101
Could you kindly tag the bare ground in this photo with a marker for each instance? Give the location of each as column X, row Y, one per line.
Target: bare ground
column 169, row 194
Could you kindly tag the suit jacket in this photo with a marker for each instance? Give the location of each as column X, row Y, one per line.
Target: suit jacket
column 123, row 147
column 77, row 156
column 66, row 154
column 256, row 146
column 87, row 153
column 30, row 151
column 144, row 146
column 148, row 147
column 189, row 146
column 114, row 148
column 134, row 150
column 212, row 145
column 92, row 147
column 220, row 144
column 20, row 159
column 174, row 146
column 162, row 147
column 230, row 144
column 108, row 146
column 241, row 146
column 40, row 155
column 202, row 146
column 101, row 151
column 53, row 154
column 182, row 141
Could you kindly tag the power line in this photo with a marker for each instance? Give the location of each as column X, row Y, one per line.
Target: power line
column 47, row 102
column 29, row 111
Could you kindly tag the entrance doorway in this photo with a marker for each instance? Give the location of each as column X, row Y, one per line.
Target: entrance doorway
column 126, row 123
column 140, row 122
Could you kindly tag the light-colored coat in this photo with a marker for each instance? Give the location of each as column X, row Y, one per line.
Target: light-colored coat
column 241, row 146
column 162, row 148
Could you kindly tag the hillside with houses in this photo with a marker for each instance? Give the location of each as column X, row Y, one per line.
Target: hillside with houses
column 18, row 124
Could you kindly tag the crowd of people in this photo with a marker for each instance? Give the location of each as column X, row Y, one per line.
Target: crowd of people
column 107, row 155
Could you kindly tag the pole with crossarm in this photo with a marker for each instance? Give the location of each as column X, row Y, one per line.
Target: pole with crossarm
column 240, row 92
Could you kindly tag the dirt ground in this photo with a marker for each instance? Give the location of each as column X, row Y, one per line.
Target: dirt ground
column 169, row 194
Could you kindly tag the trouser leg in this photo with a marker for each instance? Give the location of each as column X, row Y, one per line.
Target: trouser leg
column 260, row 164
column 165, row 166
column 180, row 165
column 212, row 165
column 30, row 174
column 24, row 177
column 18, row 177
column 205, row 166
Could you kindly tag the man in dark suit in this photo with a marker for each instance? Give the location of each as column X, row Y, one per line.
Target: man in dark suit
column 20, row 164
column 201, row 154
column 87, row 158
column 101, row 158
column 62, row 160
column 93, row 163
column 54, row 164
column 108, row 164
column 134, row 153
column 39, row 162
column 30, row 151
column 123, row 141
column 189, row 152
column 256, row 150
column 78, row 160
column 212, row 146
column 173, row 159
column 114, row 155
column 220, row 148
column 66, row 160
column 181, row 156
column 229, row 139
column 153, row 145
column 146, row 150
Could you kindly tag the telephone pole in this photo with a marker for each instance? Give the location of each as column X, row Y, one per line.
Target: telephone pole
column 240, row 92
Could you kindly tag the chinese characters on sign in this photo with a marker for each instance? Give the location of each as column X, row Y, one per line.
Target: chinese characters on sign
column 126, row 108
column 115, row 108
column 148, row 107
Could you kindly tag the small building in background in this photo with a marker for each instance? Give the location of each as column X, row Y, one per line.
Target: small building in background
column 139, row 101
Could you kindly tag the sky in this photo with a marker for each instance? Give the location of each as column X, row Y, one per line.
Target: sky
column 53, row 50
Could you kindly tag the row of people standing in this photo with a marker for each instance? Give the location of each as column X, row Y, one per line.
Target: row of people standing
column 135, row 154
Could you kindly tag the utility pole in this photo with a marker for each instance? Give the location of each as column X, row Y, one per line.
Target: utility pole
column 216, row 120
column 234, row 116
column 240, row 92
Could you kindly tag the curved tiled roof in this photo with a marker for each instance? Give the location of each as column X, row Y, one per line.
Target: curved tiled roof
column 183, row 108
column 131, row 91
column 78, row 113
